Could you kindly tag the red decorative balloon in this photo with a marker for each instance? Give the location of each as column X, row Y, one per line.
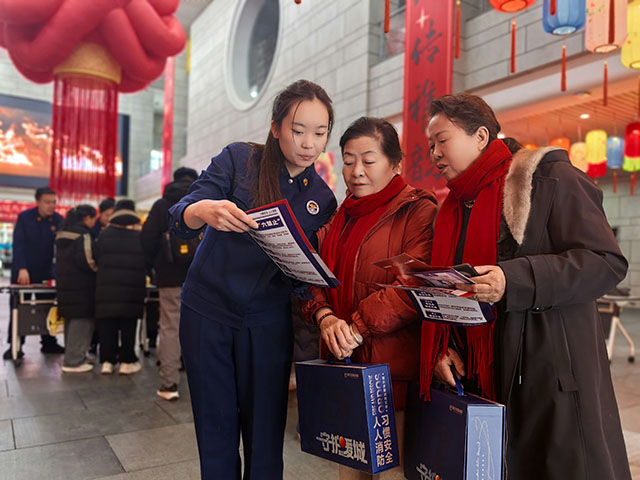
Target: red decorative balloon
column 139, row 35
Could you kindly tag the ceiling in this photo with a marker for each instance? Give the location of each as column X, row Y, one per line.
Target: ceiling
column 189, row 10
column 540, row 127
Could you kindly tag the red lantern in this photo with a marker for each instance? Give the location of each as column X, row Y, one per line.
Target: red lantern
column 632, row 140
column 562, row 142
column 513, row 7
column 632, row 150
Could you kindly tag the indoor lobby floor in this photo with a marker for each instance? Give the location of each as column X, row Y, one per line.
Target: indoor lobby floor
column 55, row 425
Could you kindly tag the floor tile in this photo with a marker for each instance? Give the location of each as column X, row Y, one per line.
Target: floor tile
column 151, row 448
column 79, row 460
column 6, row 436
column 89, row 423
column 40, row 404
column 64, row 382
column 632, row 441
column 180, row 410
column 183, row 471
column 300, row 465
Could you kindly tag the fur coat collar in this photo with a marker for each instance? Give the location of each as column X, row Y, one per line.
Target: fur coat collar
column 516, row 198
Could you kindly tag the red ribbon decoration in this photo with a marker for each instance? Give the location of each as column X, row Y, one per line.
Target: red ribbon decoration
column 387, row 15
column 634, row 177
column 458, row 22
column 167, row 121
column 513, row 46
column 605, row 85
column 552, row 7
column 563, row 78
column 615, row 181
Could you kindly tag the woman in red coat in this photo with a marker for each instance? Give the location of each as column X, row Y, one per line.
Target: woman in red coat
column 381, row 217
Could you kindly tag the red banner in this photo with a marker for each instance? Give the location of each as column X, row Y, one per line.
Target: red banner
column 167, row 125
column 10, row 209
column 428, row 71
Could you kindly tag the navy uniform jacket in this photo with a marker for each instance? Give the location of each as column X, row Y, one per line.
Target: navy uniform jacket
column 231, row 277
column 34, row 237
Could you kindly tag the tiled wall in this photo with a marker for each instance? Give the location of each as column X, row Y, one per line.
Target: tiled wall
column 326, row 42
column 623, row 212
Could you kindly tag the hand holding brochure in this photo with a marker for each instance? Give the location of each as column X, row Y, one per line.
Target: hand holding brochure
column 280, row 236
column 434, row 294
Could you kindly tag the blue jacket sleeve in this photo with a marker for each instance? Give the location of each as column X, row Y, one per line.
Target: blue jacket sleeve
column 215, row 183
column 19, row 251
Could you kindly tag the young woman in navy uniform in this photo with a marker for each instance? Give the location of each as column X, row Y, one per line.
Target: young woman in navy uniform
column 236, row 328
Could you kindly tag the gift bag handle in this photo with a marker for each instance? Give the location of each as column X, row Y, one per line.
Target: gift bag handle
column 458, row 384
column 332, row 359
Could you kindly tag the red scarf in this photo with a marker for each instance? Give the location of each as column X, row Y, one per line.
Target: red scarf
column 484, row 183
column 353, row 221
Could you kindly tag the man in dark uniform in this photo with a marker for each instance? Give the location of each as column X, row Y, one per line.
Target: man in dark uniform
column 106, row 209
column 33, row 249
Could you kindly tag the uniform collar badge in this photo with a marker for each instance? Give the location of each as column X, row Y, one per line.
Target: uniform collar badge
column 312, row 207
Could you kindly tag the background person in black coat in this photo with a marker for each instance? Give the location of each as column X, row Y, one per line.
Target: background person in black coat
column 76, row 285
column 120, row 290
column 106, row 210
column 169, row 257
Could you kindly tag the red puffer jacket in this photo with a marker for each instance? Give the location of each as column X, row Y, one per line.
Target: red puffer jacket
column 386, row 317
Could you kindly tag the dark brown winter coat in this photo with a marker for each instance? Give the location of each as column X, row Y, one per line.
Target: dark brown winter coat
column 559, row 255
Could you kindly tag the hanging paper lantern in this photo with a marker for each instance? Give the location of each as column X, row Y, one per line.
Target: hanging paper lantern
column 513, row 7
column 605, row 31
column 569, row 17
column 530, row 146
column 615, row 158
column 632, row 140
column 630, row 55
column 562, row 142
column 596, row 141
column 563, row 17
column 578, row 155
column 606, row 26
column 632, row 152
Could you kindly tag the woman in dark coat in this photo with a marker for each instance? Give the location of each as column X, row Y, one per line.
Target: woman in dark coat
column 535, row 230
column 76, row 285
column 120, row 289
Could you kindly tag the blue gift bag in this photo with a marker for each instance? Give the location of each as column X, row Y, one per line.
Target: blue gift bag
column 453, row 437
column 346, row 414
